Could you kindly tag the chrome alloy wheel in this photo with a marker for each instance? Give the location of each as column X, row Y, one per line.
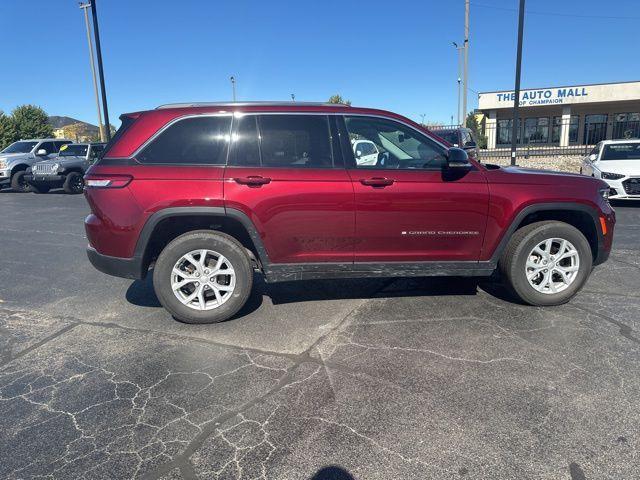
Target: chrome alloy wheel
column 203, row 279
column 552, row 265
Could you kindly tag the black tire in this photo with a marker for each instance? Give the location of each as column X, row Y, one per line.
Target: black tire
column 74, row 183
column 18, row 183
column 512, row 263
column 218, row 242
column 40, row 188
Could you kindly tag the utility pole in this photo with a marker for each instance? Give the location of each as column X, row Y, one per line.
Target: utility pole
column 422, row 115
column 85, row 6
column 459, row 49
column 103, row 88
column 466, row 59
column 233, row 87
column 516, row 101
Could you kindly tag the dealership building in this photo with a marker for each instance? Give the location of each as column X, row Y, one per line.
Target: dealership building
column 563, row 116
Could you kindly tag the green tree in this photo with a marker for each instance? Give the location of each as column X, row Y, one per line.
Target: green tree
column 338, row 99
column 472, row 124
column 31, row 122
column 8, row 133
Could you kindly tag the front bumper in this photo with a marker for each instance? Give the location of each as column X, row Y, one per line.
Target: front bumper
column 44, row 179
column 618, row 190
column 116, row 266
column 5, row 175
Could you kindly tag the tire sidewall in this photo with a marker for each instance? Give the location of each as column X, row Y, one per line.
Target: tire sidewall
column 517, row 274
column 69, row 183
column 218, row 242
column 18, row 183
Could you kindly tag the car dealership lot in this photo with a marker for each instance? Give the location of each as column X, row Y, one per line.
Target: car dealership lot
column 418, row 378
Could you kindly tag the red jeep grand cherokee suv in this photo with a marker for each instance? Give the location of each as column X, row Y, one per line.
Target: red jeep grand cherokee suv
column 209, row 193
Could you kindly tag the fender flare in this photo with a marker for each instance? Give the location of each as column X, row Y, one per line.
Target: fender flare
column 219, row 212
column 540, row 207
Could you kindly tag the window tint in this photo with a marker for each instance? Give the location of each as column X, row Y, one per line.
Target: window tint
column 96, row 150
column 451, row 136
column 192, row 141
column 48, row 146
column 400, row 147
column 298, row 141
column 245, row 150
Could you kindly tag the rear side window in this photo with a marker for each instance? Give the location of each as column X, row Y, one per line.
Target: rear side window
column 127, row 121
column 245, row 148
column 192, row 141
column 295, row 141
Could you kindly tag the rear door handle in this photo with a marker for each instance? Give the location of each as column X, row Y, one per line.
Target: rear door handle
column 252, row 180
column 377, row 182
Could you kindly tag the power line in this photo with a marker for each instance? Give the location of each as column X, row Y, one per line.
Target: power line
column 555, row 14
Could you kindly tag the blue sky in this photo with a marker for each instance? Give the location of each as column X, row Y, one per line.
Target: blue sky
column 391, row 55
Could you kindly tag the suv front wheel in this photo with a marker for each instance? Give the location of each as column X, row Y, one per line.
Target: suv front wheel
column 203, row 277
column 546, row 263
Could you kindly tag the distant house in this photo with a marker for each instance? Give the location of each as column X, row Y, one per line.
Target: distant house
column 76, row 130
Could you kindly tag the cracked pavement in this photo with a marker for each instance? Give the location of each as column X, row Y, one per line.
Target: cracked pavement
column 367, row 379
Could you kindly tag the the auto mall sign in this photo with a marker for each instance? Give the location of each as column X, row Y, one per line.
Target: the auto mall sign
column 562, row 95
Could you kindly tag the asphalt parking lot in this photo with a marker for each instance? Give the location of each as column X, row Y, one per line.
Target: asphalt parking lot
column 367, row 379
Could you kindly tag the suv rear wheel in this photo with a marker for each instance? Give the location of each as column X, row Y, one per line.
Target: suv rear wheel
column 203, row 277
column 546, row 263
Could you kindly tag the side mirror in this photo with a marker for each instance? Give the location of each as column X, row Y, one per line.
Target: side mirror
column 593, row 157
column 470, row 144
column 41, row 153
column 458, row 158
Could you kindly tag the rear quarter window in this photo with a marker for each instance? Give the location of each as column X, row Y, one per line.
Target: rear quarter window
column 190, row 141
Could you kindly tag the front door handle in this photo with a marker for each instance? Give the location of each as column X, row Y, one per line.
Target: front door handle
column 377, row 182
column 253, row 180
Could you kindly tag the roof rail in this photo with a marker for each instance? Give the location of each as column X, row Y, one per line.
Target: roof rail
column 241, row 104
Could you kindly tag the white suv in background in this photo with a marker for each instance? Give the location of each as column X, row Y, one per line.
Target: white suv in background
column 617, row 162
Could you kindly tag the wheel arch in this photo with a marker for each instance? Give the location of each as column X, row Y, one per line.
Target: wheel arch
column 20, row 167
column 165, row 225
column 579, row 215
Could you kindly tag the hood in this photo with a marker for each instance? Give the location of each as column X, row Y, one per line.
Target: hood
column 623, row 167
column 10, row 156
column 539, row 172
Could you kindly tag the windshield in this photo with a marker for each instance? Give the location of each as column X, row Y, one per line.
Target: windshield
column 73, row 150
column 621, row 151
column 20, row 147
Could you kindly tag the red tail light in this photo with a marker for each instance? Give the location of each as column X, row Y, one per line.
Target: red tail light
column 107, row 181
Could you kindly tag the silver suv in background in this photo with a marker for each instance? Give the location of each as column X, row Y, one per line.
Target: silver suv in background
column 66, row 170
column 17, row 157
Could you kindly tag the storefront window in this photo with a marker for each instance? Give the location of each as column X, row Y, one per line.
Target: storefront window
column 504, row 131
column 536, row 130
column 574, row 122
column 595, row 128
column 626, row 125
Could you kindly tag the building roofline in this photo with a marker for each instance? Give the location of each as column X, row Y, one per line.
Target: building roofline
column 563, row 86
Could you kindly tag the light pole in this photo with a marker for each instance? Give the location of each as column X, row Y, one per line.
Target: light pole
column 465, row 75
column 85, row 6
column 233, row 87
column 422, row 115
column 103, row 88
column 516, row 93
column 458, row 48
column 293, row 97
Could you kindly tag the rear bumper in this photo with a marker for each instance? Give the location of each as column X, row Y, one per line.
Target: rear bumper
column 116, row 266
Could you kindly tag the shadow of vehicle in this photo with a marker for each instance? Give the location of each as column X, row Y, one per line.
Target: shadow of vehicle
column 141, row 292
column 332, row 472
column 625, row 203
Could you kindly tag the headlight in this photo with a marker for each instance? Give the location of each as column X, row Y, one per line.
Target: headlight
column 3, row 164
column 604, row 193
column 612, row 176
column 55, row 167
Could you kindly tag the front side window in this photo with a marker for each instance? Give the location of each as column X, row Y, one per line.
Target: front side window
column 95, row 152
column 48, row 147
column 451, row 136
column 59, row 145
column 399, row 146
column 191, row 141
column 295, row 141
